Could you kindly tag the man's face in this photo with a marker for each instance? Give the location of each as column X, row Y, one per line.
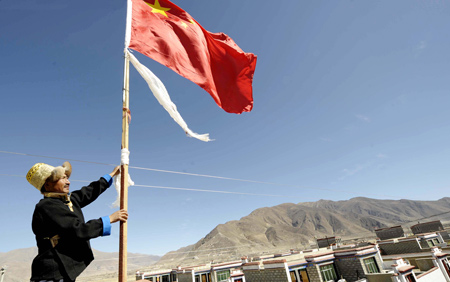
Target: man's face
column 60, row 186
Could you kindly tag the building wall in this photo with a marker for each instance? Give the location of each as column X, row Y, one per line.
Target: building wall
column 325, row 242
column 444, row 235
column 185, row 277
column 423, row 264
column 390, row 233
column 404, row 247
column 313, row 273
column 379, row 277
column 434, row 275
column 350, row 268
column 266, row 275
column 427, row 227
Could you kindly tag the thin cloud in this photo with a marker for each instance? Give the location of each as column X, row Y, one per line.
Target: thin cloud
column 363, row 118
column 369, row 164
column 422, row 45
column 353, row 171
column 349, row 172
column 419, row 48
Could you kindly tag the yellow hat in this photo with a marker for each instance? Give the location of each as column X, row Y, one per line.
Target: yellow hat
column 40, row 172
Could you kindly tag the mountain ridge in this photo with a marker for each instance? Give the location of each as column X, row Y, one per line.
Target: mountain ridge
column 291, row 225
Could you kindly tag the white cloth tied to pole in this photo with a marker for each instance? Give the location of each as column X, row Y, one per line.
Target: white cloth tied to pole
column 118, row 187
column 160, row 92
column 124, row 160
column 124, row 156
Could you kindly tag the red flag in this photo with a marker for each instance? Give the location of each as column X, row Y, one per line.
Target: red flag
column 167, row 34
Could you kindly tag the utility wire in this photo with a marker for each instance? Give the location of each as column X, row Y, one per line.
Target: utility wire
column 183, row 189
column 215, row 191
column 204, row 175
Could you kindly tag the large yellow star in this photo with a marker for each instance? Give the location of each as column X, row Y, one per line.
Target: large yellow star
column 156, row 8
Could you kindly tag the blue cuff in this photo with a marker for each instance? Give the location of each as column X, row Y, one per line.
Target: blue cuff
column 106, row 226
column 108, row 179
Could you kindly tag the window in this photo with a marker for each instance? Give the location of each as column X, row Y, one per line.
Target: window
column 303, row 275
column 174, row 277
column 371, row 265
column 293, row 276
column 430, row 243
column 410, row 278
column 204, row 278
column 299, row 275
column 328, row 272
column 223, row 275
column 165, row 278
column 446, row 266
column 436, row 242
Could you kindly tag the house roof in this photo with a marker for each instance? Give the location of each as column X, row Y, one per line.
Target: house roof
column 405, row 268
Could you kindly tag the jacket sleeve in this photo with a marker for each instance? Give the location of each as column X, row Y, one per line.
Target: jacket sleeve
column 90, row 193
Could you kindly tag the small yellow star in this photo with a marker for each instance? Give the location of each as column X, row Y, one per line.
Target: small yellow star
column 184, row 24
column 156, row 8
column 192, row 21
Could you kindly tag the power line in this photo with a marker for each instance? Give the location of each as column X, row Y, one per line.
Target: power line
column 215, row 191
column 184, row 189
column 205, row 175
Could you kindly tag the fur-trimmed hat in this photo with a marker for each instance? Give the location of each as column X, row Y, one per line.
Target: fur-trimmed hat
column 41, row 172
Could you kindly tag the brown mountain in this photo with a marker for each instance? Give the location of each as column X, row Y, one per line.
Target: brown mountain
column 18, row 264
column 273, row 229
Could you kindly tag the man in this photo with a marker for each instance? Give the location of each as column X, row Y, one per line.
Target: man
column 62, row 235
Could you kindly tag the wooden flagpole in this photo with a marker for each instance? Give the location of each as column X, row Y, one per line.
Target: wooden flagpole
column 124, row 174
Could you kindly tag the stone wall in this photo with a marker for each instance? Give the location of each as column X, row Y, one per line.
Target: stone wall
column 187, row 276
column 350, row 268
column 313, row 273
column 402, row 247
column 427, row 227
column 274, row 271
column 264, row 275
column 390, row 233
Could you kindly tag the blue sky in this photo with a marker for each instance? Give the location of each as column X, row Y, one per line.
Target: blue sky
column 350, row 99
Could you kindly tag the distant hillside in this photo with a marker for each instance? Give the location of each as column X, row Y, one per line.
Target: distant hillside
column 18, row 264
column 296, row 225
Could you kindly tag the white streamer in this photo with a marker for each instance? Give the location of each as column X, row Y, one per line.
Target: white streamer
column 160, row 92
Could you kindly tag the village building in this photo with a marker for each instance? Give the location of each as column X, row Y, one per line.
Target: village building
column 394, row 257
column 327, row 241
column 390, row 232
column 432, row 226
column 350, row 263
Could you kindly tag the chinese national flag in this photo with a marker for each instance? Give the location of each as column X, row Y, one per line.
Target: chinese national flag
column 166, row 33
